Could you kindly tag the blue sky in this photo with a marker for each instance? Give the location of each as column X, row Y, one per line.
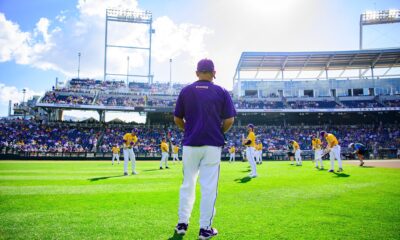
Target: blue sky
column 40, row 39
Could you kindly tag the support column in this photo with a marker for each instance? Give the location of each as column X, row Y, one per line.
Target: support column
column 102, row 116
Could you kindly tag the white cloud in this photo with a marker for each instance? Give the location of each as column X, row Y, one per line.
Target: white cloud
column 49, row 46
column 25, row 47
column 171, row 39
column 14, row 94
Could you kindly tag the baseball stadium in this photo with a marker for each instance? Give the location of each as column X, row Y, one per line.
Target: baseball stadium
column 148, row 133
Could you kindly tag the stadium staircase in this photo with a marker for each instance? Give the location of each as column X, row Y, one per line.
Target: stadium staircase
column 96, row 96
column 99, row 142
column 285, row 103
column 379, row 100
column 339, row 102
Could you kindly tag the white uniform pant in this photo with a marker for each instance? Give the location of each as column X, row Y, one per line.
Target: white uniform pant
column 318, row 157
column 175, row 157
column 129, row 155
column 297, row 156
column 231, row 157
column 250, row 157
column 204, row 162
column 258, row 156
column 335, row 154
column 164, row 158
column 115, row 156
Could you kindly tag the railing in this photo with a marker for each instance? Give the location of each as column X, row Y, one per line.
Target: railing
column 7, row 153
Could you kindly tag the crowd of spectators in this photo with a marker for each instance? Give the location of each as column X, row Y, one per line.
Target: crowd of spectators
column 54, row 97
column 33, row 136
column 312, row 104
column 361, row 104
column 124, row 101
column 392, row 103
column 258, row 104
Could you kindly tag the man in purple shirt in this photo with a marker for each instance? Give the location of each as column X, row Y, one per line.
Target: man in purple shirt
column 205, row 112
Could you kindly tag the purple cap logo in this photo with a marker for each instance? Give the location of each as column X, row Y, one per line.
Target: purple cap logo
column 205, row 65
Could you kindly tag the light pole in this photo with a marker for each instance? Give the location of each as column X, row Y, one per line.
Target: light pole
column 79, row 63
column 23, row 102
column 170, row 74
column 23, row 92
column 127, row 71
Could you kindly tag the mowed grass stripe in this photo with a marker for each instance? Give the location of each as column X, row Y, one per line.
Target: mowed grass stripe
column 91, row 200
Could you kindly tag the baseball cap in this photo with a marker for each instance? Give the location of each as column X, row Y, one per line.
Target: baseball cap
column 250, row 126
column 205, row 65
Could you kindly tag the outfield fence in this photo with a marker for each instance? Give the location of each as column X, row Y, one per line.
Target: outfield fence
column 7, row 153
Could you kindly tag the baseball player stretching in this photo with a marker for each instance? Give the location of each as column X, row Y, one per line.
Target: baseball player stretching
column 259, row 148
column 205, row 112
column 115, row 150
column 232, row 153
column 297, row 152
column 175, row 152
column 250, row 143
column 316, row 146
column 130, row 139
column 164, row 153
column 334, row 150
column 360, row 150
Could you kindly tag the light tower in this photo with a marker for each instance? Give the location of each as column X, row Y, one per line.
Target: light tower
column 377, row 17
column 132, row 17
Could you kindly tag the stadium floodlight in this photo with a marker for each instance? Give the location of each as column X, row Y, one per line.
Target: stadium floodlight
column 378, row 17
column 133, row 17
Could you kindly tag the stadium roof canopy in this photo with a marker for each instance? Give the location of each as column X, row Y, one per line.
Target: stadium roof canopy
column 318, row 61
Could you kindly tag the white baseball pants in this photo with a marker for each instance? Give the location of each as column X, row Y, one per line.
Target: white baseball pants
column 201, row 161
column 175, row 157
column 297, row 156
column 259, row 156
column 318, row 157
column 231, row 157
column 335, row 154
column 164, row 158
column 129, row 155
column 115, row 156
column 250, row 157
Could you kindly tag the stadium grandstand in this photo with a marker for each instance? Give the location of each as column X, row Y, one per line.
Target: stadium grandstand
column 355, row 94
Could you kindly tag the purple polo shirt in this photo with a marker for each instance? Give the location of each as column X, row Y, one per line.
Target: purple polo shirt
column 204, row 105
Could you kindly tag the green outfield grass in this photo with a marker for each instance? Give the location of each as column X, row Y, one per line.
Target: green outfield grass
column 92, row 200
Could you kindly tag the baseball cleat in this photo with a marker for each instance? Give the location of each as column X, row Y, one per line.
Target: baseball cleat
column 161, row 168
column 134, row 173
column 166, row 167
column 361, row 164
column 125, row 174
column 181, row 228
column 207, row 233
column 330, row 170
column 340, row 170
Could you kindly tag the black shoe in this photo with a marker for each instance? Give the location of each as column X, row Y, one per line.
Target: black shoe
column 207, row 233
column 161, row 168
column 181, row 228
column 361, row 164
column 125, row 174
column 331, row 170
column 167, row 167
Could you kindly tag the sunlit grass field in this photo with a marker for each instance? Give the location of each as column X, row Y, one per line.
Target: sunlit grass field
column 93, row 200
